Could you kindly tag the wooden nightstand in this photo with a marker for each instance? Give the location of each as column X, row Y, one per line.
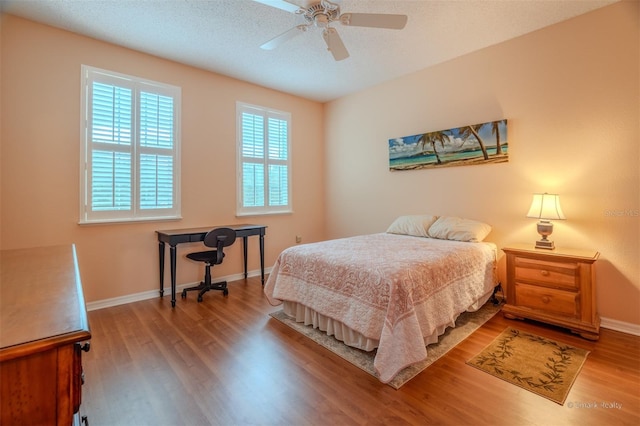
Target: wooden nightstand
column 553, row 286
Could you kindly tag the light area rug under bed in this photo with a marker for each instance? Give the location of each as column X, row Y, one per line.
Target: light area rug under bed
column 354, row 290
column 466, row 324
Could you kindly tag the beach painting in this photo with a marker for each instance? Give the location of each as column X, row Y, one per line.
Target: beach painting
column 484, row 143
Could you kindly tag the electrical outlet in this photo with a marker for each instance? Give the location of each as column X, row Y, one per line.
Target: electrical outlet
column 298, row 238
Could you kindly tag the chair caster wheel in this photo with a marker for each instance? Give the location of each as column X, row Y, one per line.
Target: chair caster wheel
column 199, row 298
column 184, row 294
column 225, row 292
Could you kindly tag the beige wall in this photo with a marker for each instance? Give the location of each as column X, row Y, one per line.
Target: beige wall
column 571, row 95
column 40, row 160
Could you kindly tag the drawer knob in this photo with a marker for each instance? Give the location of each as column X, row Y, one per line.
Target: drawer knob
column 544, row 272
column 546, row 299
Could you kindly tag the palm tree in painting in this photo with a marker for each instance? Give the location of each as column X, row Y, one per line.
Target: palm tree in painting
column 432, row 138
column 495, row 130
column 467, row 131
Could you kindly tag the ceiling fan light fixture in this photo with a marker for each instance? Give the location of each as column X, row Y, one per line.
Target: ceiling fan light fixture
column 321, row 21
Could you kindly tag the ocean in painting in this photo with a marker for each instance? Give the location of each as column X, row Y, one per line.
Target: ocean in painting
column 430, row 158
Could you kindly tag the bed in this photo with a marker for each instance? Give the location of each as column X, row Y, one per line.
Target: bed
column 395, row 291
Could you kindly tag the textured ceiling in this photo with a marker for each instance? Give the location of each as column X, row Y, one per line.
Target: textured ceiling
column 224, row 35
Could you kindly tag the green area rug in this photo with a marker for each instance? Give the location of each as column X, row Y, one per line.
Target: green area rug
column 467, row 323
column 534, row 363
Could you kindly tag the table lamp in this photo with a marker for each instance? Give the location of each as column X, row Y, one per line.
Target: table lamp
column 545, row 207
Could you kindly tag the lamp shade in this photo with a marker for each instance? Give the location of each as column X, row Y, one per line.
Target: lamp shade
column 546, row 206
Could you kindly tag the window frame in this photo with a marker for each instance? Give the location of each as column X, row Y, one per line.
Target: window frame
column 136, row 212
column 266, row 209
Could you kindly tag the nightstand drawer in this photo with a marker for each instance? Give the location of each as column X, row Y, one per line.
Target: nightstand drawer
column 557, row 274
column 548, row 299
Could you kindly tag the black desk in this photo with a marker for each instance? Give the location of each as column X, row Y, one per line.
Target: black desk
column 176, row 236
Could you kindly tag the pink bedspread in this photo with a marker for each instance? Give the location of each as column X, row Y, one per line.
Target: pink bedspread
column 397, row 289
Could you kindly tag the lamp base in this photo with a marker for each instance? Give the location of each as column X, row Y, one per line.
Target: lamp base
column 545, row 244
column 545, row 228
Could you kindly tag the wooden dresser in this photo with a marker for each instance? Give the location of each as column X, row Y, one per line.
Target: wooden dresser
column 43, row 332
column 553, row 286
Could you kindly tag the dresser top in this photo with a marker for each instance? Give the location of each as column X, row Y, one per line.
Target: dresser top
column 41, row 300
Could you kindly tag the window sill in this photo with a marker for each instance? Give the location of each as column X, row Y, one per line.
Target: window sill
column 126, row 221
column 245, row 214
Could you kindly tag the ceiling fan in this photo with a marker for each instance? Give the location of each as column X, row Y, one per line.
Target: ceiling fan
column 322, row 15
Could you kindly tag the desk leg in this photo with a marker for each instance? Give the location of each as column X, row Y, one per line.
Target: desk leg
column 261, row 258
column 244, row 251
column 172, row 251
column 161, row 259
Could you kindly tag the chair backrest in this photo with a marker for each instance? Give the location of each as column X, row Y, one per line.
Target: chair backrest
column 219, row 238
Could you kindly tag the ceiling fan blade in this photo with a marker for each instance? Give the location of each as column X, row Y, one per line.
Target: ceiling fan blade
column 335, row 44
column 374, row 20
column 287, row 35
column 281, row 4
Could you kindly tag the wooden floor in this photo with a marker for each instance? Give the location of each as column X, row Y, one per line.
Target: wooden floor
column 225, row 362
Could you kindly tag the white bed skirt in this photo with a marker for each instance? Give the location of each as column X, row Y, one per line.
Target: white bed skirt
column 351, row 337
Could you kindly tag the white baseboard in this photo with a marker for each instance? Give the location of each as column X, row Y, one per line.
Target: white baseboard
column 623, row 327
column 152, row 294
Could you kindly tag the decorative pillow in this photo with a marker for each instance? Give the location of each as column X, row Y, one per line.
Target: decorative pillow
column 459, row 229
column 417, row 225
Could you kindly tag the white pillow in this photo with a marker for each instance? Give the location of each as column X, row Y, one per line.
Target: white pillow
column 459, row 229
column 417, row 225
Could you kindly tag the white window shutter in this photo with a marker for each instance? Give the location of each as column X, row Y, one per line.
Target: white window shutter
column 130, row 148
column 263, row 160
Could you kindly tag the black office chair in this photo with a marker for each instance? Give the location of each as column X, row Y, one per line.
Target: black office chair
column 218, row 238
